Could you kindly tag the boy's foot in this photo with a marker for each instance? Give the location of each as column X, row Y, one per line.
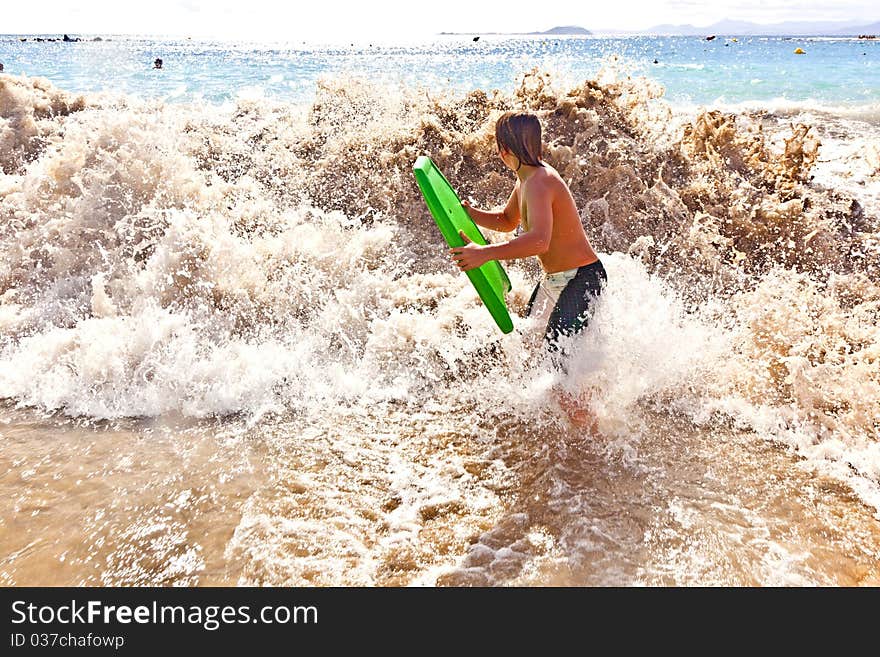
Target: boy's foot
column 583, row 420
column 579, row 415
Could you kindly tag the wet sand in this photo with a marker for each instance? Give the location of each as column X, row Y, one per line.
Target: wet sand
column 400, row 501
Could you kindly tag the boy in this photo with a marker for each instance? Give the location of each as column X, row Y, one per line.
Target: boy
column 542, row 203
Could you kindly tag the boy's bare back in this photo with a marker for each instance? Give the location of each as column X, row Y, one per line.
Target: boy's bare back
column 569, row 246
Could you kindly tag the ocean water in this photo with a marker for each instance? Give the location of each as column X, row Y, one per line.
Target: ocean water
column 835, row 72
column 234, row 351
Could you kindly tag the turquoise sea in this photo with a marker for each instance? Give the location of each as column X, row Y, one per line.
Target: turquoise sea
column 834, row 71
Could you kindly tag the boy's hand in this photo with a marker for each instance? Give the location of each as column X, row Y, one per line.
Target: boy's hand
column 470, row 256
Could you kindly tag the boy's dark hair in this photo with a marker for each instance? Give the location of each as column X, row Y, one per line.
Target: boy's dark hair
column 520, row 133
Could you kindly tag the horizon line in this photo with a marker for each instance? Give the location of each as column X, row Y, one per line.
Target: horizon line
column 855, row 24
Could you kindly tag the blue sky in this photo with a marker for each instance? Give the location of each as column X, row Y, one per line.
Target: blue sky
column 330, row 19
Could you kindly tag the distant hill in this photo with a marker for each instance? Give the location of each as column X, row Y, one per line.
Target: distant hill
column 873, row 28
column 746, row 28
column 721, row 28
column 565, row 29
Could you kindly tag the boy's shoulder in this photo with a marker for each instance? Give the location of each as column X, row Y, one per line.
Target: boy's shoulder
column 547, row 177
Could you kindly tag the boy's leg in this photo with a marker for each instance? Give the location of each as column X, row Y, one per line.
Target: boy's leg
column 574, row 308
column 571, row 315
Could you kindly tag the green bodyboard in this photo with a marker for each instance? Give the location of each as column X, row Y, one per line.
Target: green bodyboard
column 490, row 280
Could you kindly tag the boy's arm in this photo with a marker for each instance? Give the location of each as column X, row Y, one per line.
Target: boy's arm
column 502, row 221
column 533, row 242
column 537, row 239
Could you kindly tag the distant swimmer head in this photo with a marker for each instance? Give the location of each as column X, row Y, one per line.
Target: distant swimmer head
column 157, row 63
column 519, row 134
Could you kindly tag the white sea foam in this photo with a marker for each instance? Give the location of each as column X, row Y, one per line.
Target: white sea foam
column 276, row 263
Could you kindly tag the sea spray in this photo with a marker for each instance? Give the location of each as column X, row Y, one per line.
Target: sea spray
column 270, row 260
